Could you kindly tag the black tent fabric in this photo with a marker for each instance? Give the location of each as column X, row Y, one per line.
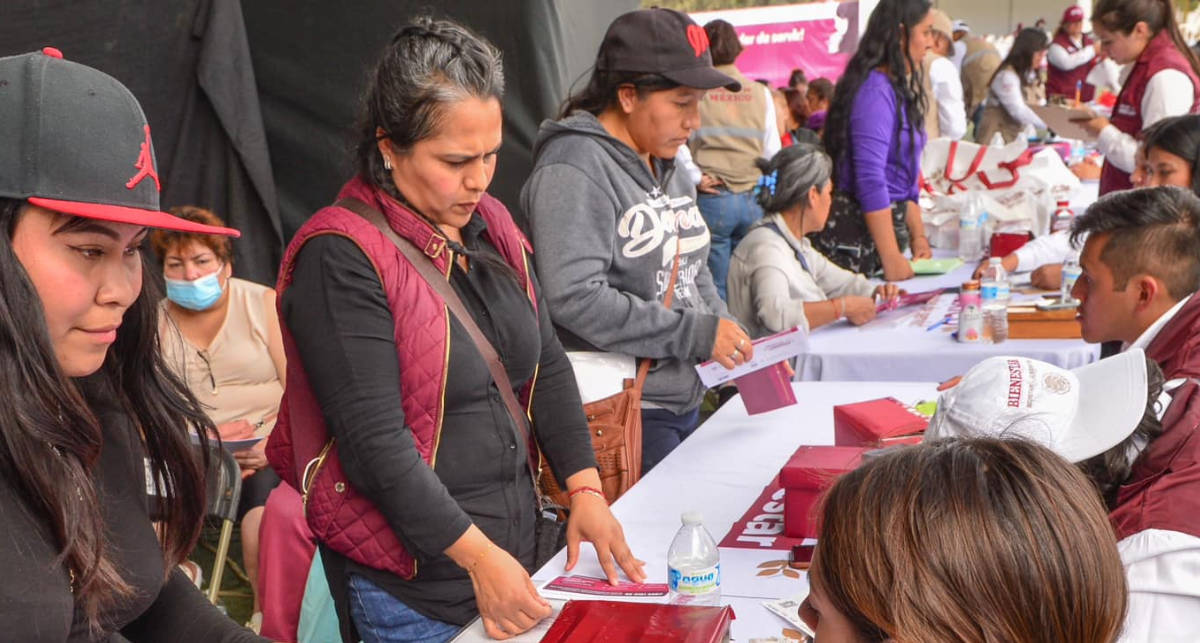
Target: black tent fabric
column 312, row 60
column 188, row 63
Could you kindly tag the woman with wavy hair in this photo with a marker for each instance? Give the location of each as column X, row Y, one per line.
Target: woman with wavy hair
column 875, row 132
column 968, row 540
column 91, row 411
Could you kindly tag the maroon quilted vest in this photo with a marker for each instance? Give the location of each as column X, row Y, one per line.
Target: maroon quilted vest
column 1062, row 82
column 300, row 448
column 1163, row 490
column 1161, row 53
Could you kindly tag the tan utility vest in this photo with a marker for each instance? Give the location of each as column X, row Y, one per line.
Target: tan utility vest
column 732, row 127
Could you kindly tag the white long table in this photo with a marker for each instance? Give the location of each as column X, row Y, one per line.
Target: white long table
column 720, row 471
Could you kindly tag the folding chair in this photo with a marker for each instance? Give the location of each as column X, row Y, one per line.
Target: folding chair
column 224, row 484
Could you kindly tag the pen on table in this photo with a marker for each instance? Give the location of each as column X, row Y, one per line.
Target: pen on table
column 941, row 322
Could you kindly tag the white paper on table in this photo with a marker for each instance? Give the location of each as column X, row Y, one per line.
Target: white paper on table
column 767, row 351
column 789, row 610
column 474, row 632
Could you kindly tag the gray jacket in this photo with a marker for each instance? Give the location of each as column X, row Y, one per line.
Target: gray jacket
column 605, row 233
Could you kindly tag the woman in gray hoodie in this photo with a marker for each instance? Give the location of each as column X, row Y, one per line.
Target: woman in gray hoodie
column 609, row 212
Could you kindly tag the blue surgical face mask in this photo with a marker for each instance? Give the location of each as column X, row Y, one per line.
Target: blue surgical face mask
column 198, row 294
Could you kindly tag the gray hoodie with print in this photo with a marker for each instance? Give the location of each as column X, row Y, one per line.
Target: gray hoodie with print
column 605, row 233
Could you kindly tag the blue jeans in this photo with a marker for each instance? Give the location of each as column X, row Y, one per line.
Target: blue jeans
column 729, row 216
column 382, row 618
column 662, row 431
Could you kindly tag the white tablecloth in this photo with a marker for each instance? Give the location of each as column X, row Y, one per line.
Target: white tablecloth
column 720, row 471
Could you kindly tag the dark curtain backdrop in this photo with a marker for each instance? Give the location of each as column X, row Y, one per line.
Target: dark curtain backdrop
column 188, row 63
column 312, row 59
column 252, row 104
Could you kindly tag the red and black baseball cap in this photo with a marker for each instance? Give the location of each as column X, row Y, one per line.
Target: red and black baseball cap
column 664, row 42
column 75, row 141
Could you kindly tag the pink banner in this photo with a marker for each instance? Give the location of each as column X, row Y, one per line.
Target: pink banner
column 772, row 51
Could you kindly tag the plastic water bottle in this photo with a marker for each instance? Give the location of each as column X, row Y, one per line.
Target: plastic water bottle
column 970, row 230
column 996, row 292
column 694, row 564
column 1070, row 274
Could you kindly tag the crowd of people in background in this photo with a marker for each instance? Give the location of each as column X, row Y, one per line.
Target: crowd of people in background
column 677, row 210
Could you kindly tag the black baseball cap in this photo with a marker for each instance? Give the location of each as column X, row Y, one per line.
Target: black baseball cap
column 75, row 141
column 664, row 42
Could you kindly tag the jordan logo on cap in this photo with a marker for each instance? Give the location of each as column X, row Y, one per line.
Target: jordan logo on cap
column 144, row 165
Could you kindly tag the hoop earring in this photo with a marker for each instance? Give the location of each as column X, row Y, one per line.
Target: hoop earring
column 387, row 163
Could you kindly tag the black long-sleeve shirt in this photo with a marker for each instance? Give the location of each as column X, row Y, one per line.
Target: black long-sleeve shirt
column 35, row 596
column 339, row 317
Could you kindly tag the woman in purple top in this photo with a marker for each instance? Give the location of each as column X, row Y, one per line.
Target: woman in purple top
column 873, row 134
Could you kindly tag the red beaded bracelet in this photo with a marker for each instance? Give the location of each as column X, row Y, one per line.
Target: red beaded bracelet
column 589, row 490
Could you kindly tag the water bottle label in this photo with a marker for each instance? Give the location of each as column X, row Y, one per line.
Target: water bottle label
column 989, row 292
column 695, row 581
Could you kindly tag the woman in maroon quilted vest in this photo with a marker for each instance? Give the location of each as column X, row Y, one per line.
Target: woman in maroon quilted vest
column 1071, row 56
column 413, row 470
column 1164, row 79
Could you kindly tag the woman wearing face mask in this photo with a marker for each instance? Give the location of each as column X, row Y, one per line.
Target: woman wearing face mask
column 220, row 335
column 1164, row 79
column 875, row 133
column 777, row 280
column 91, row 411
column 1015, row 87
column 610, row 213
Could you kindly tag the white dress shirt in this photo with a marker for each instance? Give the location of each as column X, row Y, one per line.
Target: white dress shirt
column 1163, row 571
column 1168, row 93
column 948, row 94
column 1006, row 88
column 1057, row 55
column 1048, row 248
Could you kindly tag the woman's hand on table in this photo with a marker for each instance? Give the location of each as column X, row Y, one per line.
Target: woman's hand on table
column 732, row 346
column 896, row 267
column 1087, row 170
column 887, row 293
column 859, row 310
column 1047, row 277
column 508, row 602
column 921, row 248
column 591, row 520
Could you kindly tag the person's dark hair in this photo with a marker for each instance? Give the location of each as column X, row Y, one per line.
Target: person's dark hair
column 163, row 241
column 428, row 65
column 970, row 540
column 723, row 42
column 50, row 435
column 797, row 77
column 799, row 168
column 797, row 105
column 1178, row 135
column 881, row 45
column 1109, row 470
column 600, row 93
column 1020, row 58
column 1123, row 16
column 1155, row 231
column 823, row 88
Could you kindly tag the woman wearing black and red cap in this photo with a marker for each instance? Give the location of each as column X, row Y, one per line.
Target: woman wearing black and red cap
column 1071, row 56
column 90, row 408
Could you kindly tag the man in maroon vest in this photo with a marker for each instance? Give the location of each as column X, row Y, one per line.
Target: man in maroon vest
column 1070, row 57
column 1141, row 268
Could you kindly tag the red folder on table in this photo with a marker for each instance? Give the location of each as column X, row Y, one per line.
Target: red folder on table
column 617, row 622
column 877, row 423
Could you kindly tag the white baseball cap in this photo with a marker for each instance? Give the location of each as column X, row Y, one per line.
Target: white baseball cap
column 1077, row 414
column 961, row 25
